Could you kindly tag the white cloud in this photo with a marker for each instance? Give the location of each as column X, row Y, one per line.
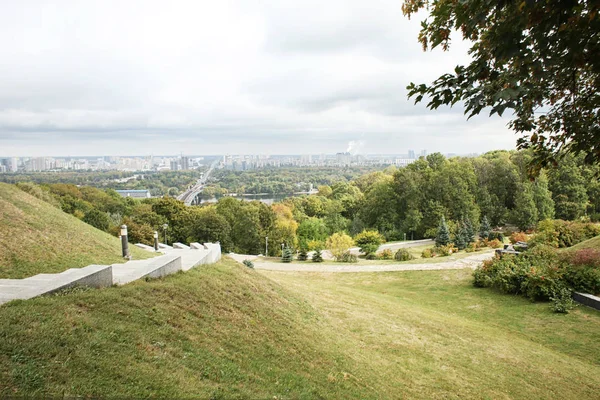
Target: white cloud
column 281, row 76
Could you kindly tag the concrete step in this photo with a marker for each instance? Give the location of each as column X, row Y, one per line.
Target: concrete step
column 92, row 275
column 145, row 247
column 180, row 246
column 197, row 246
column 152, row 268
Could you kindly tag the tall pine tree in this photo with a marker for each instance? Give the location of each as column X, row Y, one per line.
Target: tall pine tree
column 484, row 228
column 443, row 234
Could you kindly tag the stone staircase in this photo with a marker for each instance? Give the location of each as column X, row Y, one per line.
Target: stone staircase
column 97, row 276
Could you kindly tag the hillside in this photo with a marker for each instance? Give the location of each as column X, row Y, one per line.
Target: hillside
column 226, row 331
column 36, row 237
column 593, row 243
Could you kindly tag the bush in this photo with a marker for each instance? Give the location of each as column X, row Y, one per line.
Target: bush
column 338, row 244
column 248, row 263
column 445, row 251
column 518, row 237
column 559, row 233
column 369, row 241
column 371, row 256
column 348, row 257
column 496, row 236
column 403, row 255
column 317, row 256
column 562, row 300
column 582, row 270
column 386, row 254
column 495, row 244
column 428, row 253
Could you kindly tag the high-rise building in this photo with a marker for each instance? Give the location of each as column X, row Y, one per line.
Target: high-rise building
column 185, row 163
column 423, row 153
column 174, row 165
column 411, row 154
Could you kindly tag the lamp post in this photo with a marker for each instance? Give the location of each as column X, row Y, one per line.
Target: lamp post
column 266, row 246
column 155, row 240
column 165, row 226
column 282, row 244
column 124, row 242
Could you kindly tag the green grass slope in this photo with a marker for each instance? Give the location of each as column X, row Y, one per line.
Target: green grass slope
column 226, row 331
column 593, row 243
column 36, row 237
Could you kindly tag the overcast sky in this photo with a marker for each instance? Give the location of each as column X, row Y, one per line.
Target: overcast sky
column 223, row 77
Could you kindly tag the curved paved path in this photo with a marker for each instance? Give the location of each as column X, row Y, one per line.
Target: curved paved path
column 467, row 262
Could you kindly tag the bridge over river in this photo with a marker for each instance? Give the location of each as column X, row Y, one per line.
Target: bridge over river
column 191, row 196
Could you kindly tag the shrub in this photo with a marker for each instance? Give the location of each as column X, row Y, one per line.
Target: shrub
column 371, row 256
column 582, row 270
column 562, row 300
column 403, row 255
column 368, row 241
column 317, row 256
column 445, row 251
column 518, row 237
column 471, row 248
column 386, row 254
column 428, row 253
column 495, row 244
column 348, row 257
column 338, row 244
column 248, row 263
column 496, row 236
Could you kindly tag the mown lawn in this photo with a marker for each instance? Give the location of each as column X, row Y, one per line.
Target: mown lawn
column 226, row 331
column 433, row 335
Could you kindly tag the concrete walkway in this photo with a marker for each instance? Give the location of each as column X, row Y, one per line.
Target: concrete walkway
column 172, row 260
column 468, row 262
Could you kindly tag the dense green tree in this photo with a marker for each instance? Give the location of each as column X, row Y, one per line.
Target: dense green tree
column 568, row 189
column 525, row 215
column 312, row 229
column 210, row 227
column 543, row 197
column 526, row 56
column 97, row 219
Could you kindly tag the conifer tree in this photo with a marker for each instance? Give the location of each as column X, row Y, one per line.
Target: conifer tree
column 317, row 256
column 460, row 239
column 484, row 229
column 287, row 256
column 443, row 234
column 469, row 231
column 302, row 256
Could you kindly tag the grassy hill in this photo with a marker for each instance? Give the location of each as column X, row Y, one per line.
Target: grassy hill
column 226, row 331
column 36, row 237
column 593, row 243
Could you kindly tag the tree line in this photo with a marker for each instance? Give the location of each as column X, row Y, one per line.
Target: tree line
column 397, row 203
